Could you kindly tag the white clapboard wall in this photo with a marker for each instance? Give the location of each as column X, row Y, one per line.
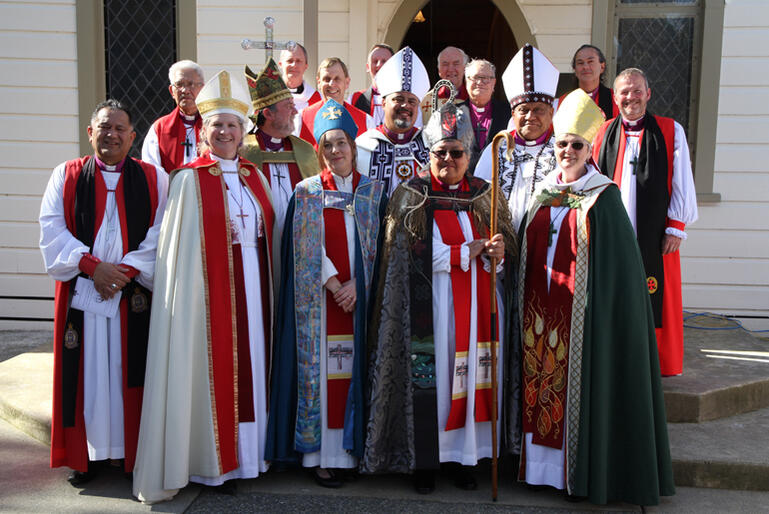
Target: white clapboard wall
column 725, row 263
column 38, row 130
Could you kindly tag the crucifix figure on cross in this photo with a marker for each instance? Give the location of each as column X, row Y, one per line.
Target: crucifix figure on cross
column 268, row 44
column 634, row 163
column 340, row 352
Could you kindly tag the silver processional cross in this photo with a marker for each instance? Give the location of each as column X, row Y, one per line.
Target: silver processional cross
column 268, row 44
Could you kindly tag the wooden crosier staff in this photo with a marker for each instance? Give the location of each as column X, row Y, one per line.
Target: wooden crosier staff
column 492, row 292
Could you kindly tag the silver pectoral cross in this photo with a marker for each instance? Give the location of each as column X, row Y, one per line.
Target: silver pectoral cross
column 268, row 44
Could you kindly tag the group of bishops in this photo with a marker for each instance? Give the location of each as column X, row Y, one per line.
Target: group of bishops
column 257, row 289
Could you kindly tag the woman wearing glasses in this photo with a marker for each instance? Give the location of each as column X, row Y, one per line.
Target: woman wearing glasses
column 431, row 398
column 593, row 411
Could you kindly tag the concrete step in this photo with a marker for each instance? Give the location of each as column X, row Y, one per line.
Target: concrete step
column 26, row 391
column 726, row 373
column 728, row 453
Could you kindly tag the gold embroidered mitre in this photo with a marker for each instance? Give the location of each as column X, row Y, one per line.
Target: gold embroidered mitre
column 222, row 95
column 267, row 88
column 578, row 114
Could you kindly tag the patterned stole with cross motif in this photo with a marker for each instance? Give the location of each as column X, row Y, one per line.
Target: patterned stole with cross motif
column 339, row 324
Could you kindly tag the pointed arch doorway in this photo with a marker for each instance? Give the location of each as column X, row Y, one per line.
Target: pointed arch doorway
column 482, row 28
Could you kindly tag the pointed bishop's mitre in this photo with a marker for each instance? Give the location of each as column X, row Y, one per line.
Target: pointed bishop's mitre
column 578, row 114
column 403, row 71
column 222, row 95
column 530, row 77
column 267, row 88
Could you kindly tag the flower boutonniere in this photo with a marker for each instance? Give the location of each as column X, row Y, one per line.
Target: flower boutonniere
column 561, row 198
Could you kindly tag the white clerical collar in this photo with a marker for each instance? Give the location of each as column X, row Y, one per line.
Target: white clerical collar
column 226, row 164
column 454, row 187
column 188, row 118
column 275, row 140
column 632, row 123
column 110, row 167
column 480, row 109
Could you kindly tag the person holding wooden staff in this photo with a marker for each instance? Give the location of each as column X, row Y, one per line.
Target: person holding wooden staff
column 431, row 396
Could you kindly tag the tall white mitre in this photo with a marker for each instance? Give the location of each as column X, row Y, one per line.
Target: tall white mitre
column 530, row 77
column 221, row 95
column 403, row 71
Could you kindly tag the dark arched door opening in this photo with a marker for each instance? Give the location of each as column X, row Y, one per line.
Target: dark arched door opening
column 477, row 27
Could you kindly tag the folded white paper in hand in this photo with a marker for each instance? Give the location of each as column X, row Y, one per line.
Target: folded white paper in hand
column 87, row 299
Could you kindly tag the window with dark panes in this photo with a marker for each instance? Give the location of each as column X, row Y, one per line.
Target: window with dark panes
column 140, row 46
column 662, row 38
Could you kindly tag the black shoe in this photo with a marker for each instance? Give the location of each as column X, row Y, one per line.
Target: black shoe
column 424, row 481
column 575, row 499
column 536, row 487
column 332, row 480
column 463, row 479
column 80, row 478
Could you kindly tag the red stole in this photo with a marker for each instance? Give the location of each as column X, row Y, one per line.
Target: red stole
column 461, row 289
column 308, row 121
column 172, row 132
column 293, row 170
column 339, row 324
column 547, row 327
column 68, row 444
column 225, row 350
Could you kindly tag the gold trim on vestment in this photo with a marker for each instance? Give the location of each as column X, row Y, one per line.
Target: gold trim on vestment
column 206, row 296
column 233, row 306
column 576, row 330
column 223, row 103
column 271, row 99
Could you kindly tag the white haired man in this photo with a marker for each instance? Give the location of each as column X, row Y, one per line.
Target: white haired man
column 172, row 140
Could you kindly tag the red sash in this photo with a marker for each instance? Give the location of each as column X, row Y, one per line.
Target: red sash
column 461, row 289
column 224, row 349
column 172, row 132
column 293, row 169
column 339, row 324
column 547, row 327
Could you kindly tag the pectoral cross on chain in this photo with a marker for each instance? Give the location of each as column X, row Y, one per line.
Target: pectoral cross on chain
column 187, row 145
column 550, row 234
column 268, row 44
column 634, row 163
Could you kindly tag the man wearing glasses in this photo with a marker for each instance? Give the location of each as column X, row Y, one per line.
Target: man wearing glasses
column 530, row 82
column 487, row 115
column 172, row 140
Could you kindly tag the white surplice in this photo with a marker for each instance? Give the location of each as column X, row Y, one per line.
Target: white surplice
column 151, row 145
column 473, row 441
column 102, row 362
column 683, row 196
column 280, row 185
column 332, row 453
column 519, row 192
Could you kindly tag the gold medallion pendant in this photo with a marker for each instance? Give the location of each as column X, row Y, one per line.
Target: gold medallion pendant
column 404, row 170
column 71, row 339
column 139, row 302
